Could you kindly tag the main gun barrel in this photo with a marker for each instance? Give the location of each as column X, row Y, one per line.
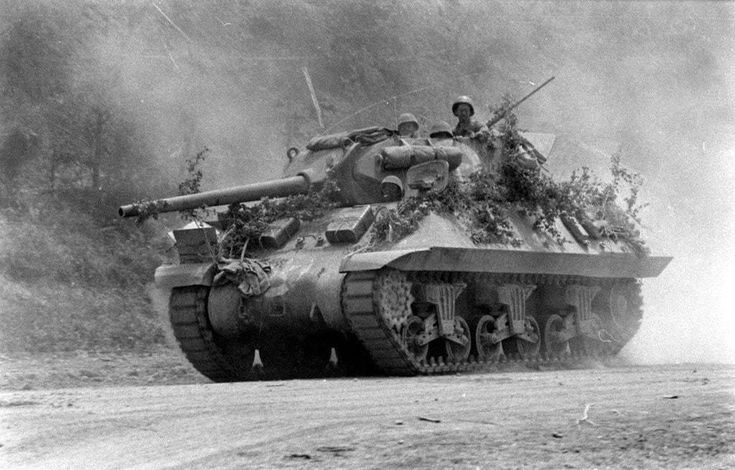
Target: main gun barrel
column 251, row 192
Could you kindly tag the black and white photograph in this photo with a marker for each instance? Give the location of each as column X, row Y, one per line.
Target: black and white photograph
column 367, row 234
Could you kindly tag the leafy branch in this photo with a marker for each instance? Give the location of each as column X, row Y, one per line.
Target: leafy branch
column 485, row 200
column 193, row 181
column 149, row 210
column 243, row 223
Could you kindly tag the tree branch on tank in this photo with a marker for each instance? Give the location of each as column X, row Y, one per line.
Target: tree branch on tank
column 244, row 222
column 150, row 209
column 192, row 183
column 485, row 200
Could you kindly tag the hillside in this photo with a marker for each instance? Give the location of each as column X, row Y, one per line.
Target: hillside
column 68, row 284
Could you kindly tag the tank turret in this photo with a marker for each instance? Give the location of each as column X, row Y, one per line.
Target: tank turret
column 360, row 174
column 378, row 253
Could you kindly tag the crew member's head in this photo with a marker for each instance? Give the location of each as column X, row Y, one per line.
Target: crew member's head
column 408, row 126
column 441, row 130
column 463, row 109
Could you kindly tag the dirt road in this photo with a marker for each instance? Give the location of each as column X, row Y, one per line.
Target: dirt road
column 636, row 417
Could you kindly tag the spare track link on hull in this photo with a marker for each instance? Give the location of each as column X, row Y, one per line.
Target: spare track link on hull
column 360, row 305
column 188, row 314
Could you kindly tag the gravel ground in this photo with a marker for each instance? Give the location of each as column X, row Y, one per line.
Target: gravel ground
column 99, row 369
column 153, row 411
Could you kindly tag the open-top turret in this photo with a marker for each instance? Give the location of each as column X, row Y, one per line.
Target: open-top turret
column 377, row 253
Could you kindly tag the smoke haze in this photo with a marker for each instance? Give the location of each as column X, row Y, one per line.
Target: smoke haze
column 653, row 80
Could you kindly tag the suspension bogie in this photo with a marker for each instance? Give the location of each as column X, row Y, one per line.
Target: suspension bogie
column 463, row 318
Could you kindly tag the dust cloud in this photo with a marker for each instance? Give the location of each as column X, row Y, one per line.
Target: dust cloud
column 657, row 80
column 159, row 300
column 654, row 81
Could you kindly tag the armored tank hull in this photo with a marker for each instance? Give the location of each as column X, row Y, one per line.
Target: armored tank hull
column 340, row 292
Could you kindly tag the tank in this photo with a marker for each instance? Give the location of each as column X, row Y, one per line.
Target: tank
column 380, row 254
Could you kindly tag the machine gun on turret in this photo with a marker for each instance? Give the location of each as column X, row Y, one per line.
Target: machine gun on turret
column 500, row 115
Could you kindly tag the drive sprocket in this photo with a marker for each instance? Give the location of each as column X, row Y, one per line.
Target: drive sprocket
column 393, row 298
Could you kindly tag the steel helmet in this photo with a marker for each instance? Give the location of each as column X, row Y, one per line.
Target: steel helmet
column 441, row 129
column 463, row 100
column 407, row 117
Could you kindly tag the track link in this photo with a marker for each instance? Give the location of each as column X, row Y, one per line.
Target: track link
column 359, row 307
column 188, row 315
column 285, row 354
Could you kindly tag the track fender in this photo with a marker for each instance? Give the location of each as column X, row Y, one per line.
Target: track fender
column 378, row 259
column 606, row 265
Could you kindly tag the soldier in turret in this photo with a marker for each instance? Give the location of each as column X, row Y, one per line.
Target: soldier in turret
column 466, row 126
column 408, row 126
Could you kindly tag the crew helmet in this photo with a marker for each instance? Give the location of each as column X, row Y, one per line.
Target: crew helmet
column 408, row 118
column 441, row 130
column 463, row 100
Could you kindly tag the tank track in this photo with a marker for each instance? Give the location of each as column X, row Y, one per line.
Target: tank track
column 360, row 305
column 363, row 294
column 285, row 355
column 188, row 315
